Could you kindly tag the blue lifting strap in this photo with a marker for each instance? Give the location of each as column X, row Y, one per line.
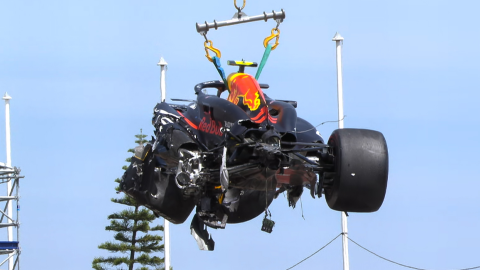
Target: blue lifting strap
column 216, row 62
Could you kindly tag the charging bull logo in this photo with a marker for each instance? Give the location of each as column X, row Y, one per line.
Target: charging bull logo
column 251, row 99
column 245, row 86
column 212, row 127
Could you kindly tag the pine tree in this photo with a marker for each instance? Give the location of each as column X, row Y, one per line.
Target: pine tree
column 131, row 227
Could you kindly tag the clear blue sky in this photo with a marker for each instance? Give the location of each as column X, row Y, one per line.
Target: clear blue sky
column 84, row 81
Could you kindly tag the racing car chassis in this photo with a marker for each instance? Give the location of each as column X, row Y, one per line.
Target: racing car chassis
column 229, row 160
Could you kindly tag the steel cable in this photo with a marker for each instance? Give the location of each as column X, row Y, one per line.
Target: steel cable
column 315, row 252
column 411, row 267
column 403, row 265
column 303, row 131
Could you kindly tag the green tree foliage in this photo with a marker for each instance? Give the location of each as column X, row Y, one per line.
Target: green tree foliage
column 132, row 234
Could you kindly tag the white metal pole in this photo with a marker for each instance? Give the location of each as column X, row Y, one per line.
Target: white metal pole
column 166, row 231
column 346, row 260
column 166, row 225
column 7, row 98
column 339, row 42
column 163, row 66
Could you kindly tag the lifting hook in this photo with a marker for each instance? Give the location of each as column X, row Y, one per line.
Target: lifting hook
column 275, row 36
column 210, row 47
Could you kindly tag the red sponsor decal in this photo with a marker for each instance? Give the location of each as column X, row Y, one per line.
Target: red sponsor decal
column 261, row 116
column 188, row 121
column 272, row 119
column 212, row 127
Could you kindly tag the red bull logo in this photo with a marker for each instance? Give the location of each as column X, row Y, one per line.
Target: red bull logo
column 245, row 86
column 212, row 127
column 251, row 99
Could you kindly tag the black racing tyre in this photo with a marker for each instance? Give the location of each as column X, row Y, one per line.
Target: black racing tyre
column 361, row 170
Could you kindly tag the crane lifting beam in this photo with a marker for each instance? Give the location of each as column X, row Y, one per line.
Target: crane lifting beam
column 239, row 18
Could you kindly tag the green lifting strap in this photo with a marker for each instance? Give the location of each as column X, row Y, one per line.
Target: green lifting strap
column 218, row 66
column 268, row 49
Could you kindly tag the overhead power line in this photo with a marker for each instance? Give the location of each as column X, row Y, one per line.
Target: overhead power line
column 315, row 252
column 383, row 258
column 411, row 267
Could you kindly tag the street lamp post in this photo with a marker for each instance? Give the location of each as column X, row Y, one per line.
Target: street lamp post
column 339, row 42
column 166, row 225
column 163, row 66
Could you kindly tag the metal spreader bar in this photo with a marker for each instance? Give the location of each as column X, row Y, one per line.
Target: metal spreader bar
column 238, row 19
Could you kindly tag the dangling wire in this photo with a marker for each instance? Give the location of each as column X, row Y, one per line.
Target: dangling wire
column 266, row 199
column 267, row 223
column 267, row 211
column 303, row 131
column 301, row 206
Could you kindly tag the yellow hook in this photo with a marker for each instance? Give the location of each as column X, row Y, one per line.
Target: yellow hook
column 211, row 48
column 272, row 36
column 235, row 3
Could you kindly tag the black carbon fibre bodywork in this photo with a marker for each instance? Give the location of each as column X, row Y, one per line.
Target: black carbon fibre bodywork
column 229, row 161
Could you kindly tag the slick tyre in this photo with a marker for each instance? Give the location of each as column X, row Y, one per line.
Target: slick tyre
column 360, row 177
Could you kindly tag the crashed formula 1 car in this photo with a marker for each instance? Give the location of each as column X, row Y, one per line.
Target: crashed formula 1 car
column 229, row 158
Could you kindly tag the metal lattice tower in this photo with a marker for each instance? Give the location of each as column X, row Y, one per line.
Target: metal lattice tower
column 10, row 176
column 11, row 247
